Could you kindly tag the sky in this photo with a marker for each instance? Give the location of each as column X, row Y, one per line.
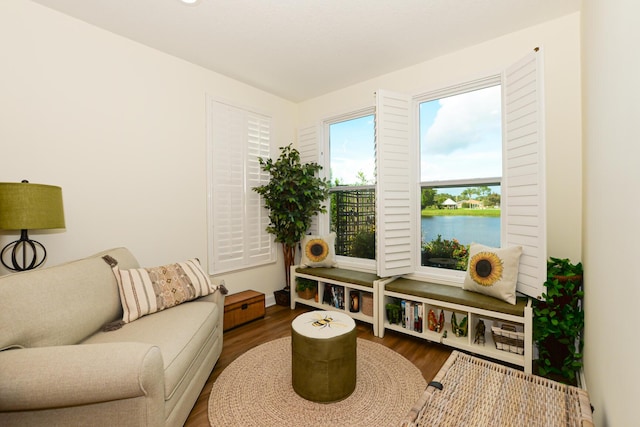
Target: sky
column 352, row 150
column 461, row 137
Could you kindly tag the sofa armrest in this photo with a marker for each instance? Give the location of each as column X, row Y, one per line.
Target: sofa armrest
column 73, row 375
column 217, row 297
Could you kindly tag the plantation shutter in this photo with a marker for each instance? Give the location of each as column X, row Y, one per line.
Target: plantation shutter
column 395, row 185
column 523, row 206
column 237, row 218
column 309, row 143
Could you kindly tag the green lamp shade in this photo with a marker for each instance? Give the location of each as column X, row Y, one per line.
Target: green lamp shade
column 26, row 206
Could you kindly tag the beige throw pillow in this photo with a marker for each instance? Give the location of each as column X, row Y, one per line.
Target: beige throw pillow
column 148, row 290
column 319, row 251
column 493, row 271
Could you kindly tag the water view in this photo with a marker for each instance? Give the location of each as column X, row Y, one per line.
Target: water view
column 467, row 229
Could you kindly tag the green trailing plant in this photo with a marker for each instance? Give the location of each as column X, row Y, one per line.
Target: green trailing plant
column 294, row 194
column 558, row 321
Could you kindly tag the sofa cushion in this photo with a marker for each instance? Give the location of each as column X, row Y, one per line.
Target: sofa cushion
column 181, row 334
column 149, row 290
column 76, row 299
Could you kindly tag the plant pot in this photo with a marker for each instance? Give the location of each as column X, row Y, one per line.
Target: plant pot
column 282, row 297
column 307, row 293
column 564, row 279
column 557, row 351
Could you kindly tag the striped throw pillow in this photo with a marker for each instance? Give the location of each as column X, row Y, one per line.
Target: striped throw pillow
column 148, row 290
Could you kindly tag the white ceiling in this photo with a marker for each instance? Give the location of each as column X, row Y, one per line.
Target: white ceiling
column 299, row 49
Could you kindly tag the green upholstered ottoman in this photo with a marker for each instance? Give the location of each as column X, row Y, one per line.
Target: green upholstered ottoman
column 323, row 355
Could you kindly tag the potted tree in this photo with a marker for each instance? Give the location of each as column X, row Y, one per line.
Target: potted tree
column 558, row 322
column 294, row 194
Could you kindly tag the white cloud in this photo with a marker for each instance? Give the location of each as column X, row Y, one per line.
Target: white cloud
column 346, row 169
column 464, row 139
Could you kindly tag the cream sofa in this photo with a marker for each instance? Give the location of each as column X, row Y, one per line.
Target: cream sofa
column 59, row 368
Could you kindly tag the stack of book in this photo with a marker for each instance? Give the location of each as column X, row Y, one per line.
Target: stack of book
column 412, row 315
column 334, row 296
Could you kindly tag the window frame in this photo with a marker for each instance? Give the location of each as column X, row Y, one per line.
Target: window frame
column 443, row 275
column 523, row 194
column 344, row 261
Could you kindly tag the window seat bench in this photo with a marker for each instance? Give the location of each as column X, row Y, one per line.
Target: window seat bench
column 456, row 295
column 508, row 328
column 341, row 275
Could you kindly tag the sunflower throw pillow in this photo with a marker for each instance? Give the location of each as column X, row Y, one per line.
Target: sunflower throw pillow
column 493, row 271
column 319, row 251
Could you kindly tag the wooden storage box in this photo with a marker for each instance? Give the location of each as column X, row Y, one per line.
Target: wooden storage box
column 243, row 307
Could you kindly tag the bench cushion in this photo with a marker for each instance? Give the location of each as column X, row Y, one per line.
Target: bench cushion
column 456, row 295
column 341, row 275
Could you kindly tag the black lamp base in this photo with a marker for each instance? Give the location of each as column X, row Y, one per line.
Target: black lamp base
column 24, row 245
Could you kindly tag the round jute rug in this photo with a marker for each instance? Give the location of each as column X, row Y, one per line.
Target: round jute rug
column 255, row 390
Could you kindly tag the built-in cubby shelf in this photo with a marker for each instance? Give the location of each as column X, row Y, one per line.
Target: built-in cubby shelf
column 507, row 328
column 343, row 283
column 515, row 339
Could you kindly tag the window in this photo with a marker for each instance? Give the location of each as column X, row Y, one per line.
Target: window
column 237, row 236
column 352, row 176
column 522, row 181
column 460, row 138
column 509, row 186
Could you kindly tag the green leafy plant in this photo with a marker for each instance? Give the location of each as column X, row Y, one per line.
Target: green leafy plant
column 364, row 245
column 302, row 284
column 558, row 321
column 293, row 196
column 444, row 248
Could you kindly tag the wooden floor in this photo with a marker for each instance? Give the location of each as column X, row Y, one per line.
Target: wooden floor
column 428, row 357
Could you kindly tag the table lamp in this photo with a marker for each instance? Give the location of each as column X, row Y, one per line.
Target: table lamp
column 25, row 206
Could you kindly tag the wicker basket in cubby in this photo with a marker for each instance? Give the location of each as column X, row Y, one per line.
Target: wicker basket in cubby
column 367, row 303
column 508, row 339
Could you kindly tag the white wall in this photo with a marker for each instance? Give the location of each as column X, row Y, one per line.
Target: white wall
column 561, row 42
column 121, row 128
column 611, row 66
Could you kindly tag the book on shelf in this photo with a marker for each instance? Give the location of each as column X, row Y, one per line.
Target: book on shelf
column 333, row 296
column 326, row 296
column 412, row 315
column 338, row 296
column 417, row 321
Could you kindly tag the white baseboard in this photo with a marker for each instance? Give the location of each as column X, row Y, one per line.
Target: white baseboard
column 269, row 300
column 582, row 381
